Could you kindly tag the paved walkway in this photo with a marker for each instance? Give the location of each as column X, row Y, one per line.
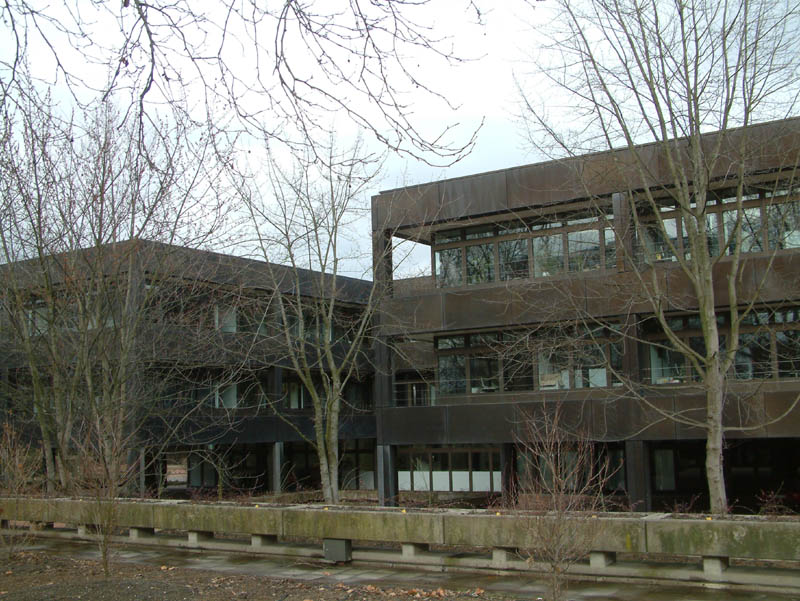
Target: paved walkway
column 523, row 587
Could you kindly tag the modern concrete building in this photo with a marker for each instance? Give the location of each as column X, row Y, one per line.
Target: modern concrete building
column 541, row 295
column 544, row 279
column 207, row 378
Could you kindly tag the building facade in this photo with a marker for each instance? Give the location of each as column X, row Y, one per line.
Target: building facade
column 565, row 284
column 546, row 288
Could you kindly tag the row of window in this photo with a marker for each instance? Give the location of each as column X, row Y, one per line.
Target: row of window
column 251, row 394
column 538, row 249
column 577, row 358
column 765, row 224
column 464, row 468
column 769, row 347
column 555, row 248
column 551, row 360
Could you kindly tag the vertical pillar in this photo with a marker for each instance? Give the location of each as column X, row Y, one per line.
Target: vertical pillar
column 277, row 467
column 623, row 227
column 276, row 384
column 508, row 476
column 142, row 473
column 637, row 474
column 713, row 568
column 387, row 474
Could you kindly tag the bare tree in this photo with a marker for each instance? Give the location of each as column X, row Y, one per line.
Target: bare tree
column 643, row 71
column 324, row 318
column 19, row 474
column 562, row 479
column 81, row 200
column 284, row 69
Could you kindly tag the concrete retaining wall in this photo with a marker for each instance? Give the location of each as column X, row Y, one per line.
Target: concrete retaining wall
column 707, row 546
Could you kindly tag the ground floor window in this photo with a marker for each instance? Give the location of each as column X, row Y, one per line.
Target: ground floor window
column 357, row 466
column 449, row 468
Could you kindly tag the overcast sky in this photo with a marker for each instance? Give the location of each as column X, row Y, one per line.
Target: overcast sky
column 484, row 89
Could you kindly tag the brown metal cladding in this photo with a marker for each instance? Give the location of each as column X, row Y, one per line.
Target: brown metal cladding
column 766, row 146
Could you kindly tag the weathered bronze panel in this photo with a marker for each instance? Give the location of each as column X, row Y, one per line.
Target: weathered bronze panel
column 474, row 195
column 414, row 425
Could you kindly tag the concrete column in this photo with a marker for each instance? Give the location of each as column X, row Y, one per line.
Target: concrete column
column 277, row 467
column 713, row 567
column 276, row 383
column 196, row 537
column 140, row 533
column 410, row 550
column 502, row 557
column 623, row 226
column 508, row 472
column 637, row 474
column 263, row 540
column 386, row 474
column 601, row 559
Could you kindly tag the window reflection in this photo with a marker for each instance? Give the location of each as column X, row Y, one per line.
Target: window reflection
column 480, row 263
column 448, row 267
column 513, row 259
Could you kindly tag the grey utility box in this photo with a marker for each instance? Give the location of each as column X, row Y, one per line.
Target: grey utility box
column 337, row 549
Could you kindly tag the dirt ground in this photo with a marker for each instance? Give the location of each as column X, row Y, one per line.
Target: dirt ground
column 38, row 576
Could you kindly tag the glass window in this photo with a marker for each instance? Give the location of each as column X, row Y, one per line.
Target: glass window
column 610, row 240
column 447, row 236
column 788, row 343
column 483, row 231
column 253, row 394
column 444, row 342
column 480, row 263
column 513, row 259
column 753, row 357
column 483, row 373
column 751, row 230
column 548, row 255
column 584, row 250
column 518, row 372
column 226, row 396
column 616, row 467
column 783, row 225
column 553, row 370
column 664, row 463
column 657, row 238
column 296, row 395
column 452, row 374
column 712, row 234
column 590, row 367
column 226, row 318
column 666, row 364
column 448, row 267
column 616, row 350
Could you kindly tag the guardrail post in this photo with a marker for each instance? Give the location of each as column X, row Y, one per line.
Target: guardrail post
column 713, row 567
column 410, row 550
column 503, row 556
column 141, row 533
column 263, row 540
column 195, row 537
column 601, row 559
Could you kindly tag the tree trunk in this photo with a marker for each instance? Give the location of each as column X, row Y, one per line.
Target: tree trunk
column 717, row 497
column 49, row 464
